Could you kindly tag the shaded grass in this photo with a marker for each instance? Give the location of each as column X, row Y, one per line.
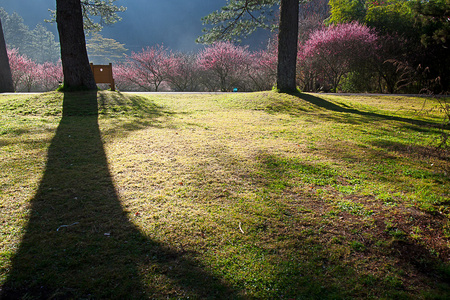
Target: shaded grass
column 259, row 195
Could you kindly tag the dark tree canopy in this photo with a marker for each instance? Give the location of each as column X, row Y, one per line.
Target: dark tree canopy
column 239, row 18
column 97, row 13
column 106, row 10
column 433, row 17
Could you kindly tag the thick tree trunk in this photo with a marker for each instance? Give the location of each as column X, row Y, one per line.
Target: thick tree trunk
column 6, row 83
column 75, row 62
column 287, row 46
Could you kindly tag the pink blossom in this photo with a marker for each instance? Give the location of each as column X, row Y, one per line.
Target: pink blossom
column 263, row 69
column 226, row 63
column 20, row 66
column 333, row 51
column 30, row 76
column 50, row 75
column 147, row 69
column 184, row 74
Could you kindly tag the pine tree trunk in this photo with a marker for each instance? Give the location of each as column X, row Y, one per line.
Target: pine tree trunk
column 75, row 62
column 287, row 46
column 6, row 83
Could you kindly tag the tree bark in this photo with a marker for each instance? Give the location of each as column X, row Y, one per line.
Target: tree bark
column 6, row 82
column 75, row 62
column 287, row 46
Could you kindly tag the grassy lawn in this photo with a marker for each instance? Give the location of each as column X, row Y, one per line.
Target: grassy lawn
column 230, row 196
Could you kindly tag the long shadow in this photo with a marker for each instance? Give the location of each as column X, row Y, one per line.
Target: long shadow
column 334, row 107
column 79, row 242
column 412, row 256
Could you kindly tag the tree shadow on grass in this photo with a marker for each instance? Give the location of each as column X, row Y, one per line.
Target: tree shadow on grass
column 410, row 255
column 317, row 249
column 79, row 242
column 337, row 108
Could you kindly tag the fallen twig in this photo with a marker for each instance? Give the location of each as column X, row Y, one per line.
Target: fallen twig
column 240, row 228
column 67, row 225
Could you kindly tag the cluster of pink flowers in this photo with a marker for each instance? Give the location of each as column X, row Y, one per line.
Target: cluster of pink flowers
column 331, row 52
column 222, row 66
column 350, row 39
column 29, row 76
column 146, row 69
column 377, row 3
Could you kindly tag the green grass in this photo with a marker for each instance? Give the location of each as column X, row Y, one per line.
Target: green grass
column 233, row 196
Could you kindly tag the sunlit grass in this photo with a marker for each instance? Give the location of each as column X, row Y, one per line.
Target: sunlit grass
column 259, row 195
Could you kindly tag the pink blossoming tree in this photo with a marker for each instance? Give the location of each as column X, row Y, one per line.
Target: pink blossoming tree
column 29, row 76
column 225, row 64
column 19, row 67
column 332, row 52
column 263, row 69
column 50, row 76
column 147, row 69
column 184, row 74
column 124, row 77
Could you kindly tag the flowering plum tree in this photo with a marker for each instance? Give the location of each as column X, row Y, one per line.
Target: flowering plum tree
column 28, row 75
column 50, row 75
column 334, row 51
column 124, row 77
column 147, row 69
column 225, row 63
column 184, row 74
column 19, row 67
column 263, row 69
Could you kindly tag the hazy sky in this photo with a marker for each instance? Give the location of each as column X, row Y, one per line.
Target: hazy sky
column 174, row 23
